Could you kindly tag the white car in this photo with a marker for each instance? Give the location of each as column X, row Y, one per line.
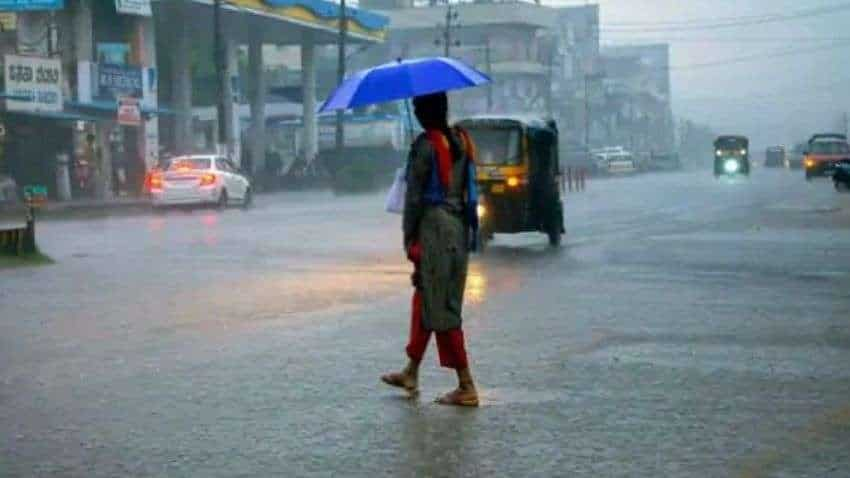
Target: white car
column 200, row 179
column 615, row 160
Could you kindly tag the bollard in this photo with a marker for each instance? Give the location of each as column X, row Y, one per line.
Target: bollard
column 28, row 242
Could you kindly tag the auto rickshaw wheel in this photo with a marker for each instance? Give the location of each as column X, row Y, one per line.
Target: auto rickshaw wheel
column 554, row 237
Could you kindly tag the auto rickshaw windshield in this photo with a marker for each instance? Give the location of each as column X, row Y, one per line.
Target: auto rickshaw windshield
column 497, row 146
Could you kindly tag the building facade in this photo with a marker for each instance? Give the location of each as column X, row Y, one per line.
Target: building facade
column 637, row 111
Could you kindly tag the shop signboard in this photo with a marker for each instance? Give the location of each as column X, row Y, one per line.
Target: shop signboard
column 134, row 7
column 35, row 195
column 30, row 5
column 129, row 111
column 8, row 21
column 115, row 81
column 113, row 53
column 39, row 79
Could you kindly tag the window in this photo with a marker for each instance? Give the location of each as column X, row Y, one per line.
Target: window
column 189, row 163
column 830, row 147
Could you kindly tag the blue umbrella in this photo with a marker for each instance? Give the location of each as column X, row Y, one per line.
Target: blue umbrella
column 403, row 79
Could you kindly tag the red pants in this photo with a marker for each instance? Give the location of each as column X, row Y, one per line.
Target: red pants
column 450, row 344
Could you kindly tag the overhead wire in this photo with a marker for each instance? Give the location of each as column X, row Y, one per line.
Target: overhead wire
column 728, row 22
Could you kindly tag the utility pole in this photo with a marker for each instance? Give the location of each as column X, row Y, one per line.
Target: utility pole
column 586, row 117
column 845, row 123
column 220, row 63
column 489, row 62
column 446, row 31
column 340, row 75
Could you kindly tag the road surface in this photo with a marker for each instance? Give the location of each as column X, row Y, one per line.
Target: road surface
column 688, row 327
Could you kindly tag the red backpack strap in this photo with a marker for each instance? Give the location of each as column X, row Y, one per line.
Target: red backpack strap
column 444, row 156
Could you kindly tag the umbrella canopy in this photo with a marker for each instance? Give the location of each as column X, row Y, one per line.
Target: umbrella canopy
column 403, row 79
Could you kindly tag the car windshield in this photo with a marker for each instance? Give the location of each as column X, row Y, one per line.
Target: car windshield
column 829, row 147
column 497, row 146
column 180, row 164
column 730, row 143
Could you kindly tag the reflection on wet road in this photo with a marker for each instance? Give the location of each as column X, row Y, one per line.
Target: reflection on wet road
column 687, row 327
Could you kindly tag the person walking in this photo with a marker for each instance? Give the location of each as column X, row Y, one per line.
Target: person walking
column 439, row 212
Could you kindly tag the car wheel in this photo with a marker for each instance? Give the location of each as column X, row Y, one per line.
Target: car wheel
column 248, row 200
column 222, row 199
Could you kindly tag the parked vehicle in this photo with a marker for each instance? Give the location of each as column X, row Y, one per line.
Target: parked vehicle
column 841, row 175
column 794, row 159
column 519, row 176
column 731, row 155
column 822, row 152
column 199, row 180
column 614, row 161
column 774, row 157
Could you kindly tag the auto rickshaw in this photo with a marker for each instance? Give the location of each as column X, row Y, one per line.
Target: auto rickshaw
column 731, row 155
column 519, row 176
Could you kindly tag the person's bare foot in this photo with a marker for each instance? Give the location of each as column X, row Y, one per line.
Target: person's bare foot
column 463, row 396
column 401, row 380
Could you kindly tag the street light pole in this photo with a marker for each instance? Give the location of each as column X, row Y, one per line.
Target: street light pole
column 340, row 74
column 220, row 63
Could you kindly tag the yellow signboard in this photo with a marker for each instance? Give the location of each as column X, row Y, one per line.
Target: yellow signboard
column 321, row 13
column 8, row 21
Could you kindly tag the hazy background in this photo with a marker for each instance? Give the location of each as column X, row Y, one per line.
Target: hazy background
column 790, row 78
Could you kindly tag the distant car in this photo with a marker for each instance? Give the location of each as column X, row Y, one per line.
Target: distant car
column 615, row 161
column 841, row 176
column 200, row 180
column 774, row 157
column 822, row 152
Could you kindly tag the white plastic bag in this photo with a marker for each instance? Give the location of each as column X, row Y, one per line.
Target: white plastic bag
column 395, row 198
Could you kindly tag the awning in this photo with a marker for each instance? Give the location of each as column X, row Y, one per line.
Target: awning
column 52, row 115
column 274, row 20
column 10, row 96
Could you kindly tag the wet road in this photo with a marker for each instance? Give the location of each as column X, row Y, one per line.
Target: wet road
column 688, row 327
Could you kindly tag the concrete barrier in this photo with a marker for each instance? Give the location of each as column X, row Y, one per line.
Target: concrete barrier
column 18, row 241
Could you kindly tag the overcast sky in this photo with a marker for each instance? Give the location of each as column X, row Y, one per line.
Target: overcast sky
column 792, row 77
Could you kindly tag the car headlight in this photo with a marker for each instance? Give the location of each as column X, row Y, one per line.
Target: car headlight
column 482, row 211
column 718, row 153
column 731, row 166
column 743, row 152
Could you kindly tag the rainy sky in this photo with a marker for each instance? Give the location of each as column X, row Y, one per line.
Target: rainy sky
column 778, row 74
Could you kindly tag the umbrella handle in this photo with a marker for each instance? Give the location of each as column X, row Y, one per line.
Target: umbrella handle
column 409, row 119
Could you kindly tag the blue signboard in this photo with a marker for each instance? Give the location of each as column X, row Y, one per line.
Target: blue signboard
column 115, row 81
column 24, row 5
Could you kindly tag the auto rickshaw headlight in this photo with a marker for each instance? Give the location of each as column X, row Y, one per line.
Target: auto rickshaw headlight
column 743, row 152
column 718, row 153
column 731, row 166
column 513, row 181
column 482, row 211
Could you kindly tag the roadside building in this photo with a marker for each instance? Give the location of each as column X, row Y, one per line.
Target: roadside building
column 505, row 40
column 88, row 85
column 637, row 111
column 73, row 62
